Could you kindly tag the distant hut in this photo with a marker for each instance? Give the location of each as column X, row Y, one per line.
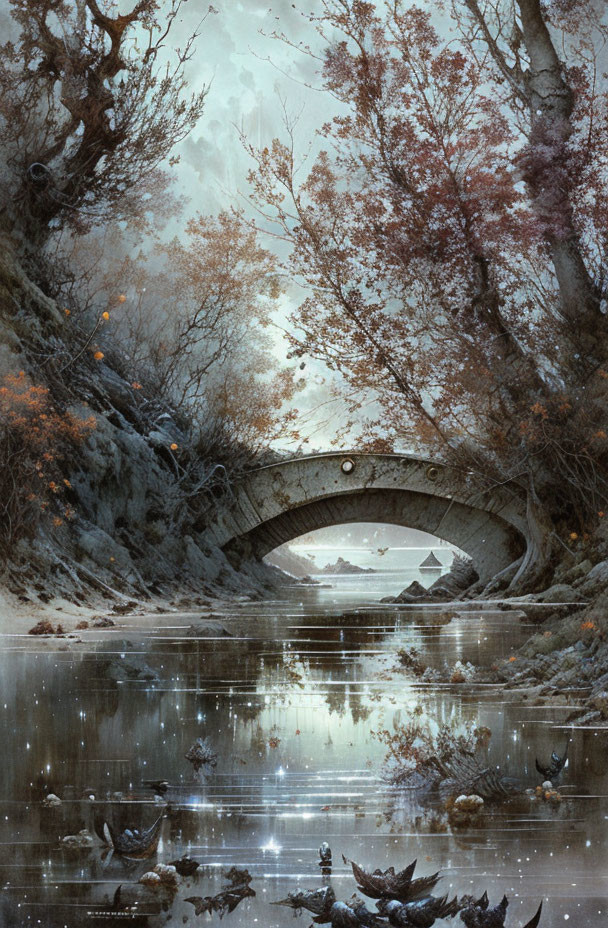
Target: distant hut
column 431, row 563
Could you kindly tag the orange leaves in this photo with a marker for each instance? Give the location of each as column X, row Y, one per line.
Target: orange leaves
column 35, row 438
column 28, row 408
column 539, row 410
column 587, row 626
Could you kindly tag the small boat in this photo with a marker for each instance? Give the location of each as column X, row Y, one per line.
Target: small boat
column 431, row 563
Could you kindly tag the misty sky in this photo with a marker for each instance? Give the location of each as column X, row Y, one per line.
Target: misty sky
column 245, row 91
column 250, row 75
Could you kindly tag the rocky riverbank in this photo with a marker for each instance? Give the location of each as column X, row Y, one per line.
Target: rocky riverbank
column 568, row 655
column 455, row 583
column 106, row 487
column 27, row 623
column 565, row 660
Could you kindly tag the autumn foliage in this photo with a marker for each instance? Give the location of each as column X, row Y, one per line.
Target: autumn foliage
column 36, row 441
column 93, row 98
column 193, row 325
column 450, row 233
column 414, row 749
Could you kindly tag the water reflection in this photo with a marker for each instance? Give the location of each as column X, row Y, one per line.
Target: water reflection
column 289, row 704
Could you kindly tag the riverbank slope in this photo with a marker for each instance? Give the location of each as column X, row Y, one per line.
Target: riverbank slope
column 106, row 488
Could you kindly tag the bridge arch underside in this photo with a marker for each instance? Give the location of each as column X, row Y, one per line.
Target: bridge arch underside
column 490, row 541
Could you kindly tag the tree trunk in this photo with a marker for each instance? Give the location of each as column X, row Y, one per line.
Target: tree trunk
column 535, row 568
column 546, row 170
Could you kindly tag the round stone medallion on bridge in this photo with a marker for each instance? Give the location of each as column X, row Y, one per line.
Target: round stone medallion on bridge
column 274, row 504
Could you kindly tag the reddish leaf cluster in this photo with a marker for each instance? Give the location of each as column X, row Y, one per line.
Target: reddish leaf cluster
column 35, row 441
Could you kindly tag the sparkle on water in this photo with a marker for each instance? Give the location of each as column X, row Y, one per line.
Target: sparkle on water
column 289, row 704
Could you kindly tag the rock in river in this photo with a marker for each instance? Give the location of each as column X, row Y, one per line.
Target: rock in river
column 208, row 628
column 129, row 667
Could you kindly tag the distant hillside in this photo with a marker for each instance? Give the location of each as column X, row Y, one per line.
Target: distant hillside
column 286, row 559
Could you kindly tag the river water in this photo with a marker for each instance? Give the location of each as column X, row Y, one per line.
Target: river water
column 289, row 703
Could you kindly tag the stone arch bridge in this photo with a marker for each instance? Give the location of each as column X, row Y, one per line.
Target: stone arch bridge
column 276, row 503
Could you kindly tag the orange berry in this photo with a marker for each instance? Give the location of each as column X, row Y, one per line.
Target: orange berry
column 105, row 316
column 122, row 298
column 173, row 447
column 573, row 536
column 98, row 355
